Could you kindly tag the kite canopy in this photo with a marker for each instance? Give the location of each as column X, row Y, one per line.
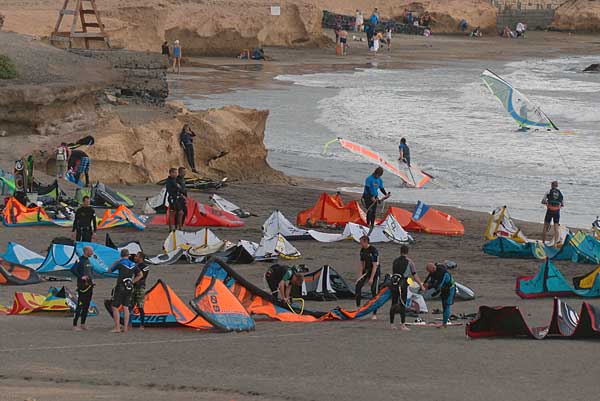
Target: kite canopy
column 500, row 224
column 428, row 220
column 508, row 321
column 157, row 203
column 20, row 255
column 227, row 206
column 277, row 223
column 549, row 282
column 277, row 246
column 331, row 211
column 202, row 215
column 215, row 303
column 103, row 196
column 522, row 110
column 15, row 274
column 587, row 280
column 203, row 241
column 121, row 217
column 15, row 214
column 61, row 301
column 163, row 308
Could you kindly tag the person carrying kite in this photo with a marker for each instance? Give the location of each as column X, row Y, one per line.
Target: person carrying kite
column 373, row 184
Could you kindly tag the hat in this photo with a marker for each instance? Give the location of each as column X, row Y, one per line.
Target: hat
column 176, row 42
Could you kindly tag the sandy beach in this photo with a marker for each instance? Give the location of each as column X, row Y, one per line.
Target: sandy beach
column 43, row 359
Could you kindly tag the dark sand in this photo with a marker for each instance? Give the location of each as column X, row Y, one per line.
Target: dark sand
column 43, row 359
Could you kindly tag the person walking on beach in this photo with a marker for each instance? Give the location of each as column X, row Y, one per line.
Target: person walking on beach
column 187, row 142
column 404, row 152
column 343, row 41
column 176, row 56
column 440, row 279
column 176, row 201
column 83, row 168
column 373, row 184
column 84, row 224
column 369, row 271
column 402, row 269
column 128, row 277
column 62, row 158
column 554, row 201
column 85, row 287
column 139, row 288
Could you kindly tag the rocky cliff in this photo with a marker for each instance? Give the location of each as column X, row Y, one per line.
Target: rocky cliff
column 578, row 15
column 224, row 27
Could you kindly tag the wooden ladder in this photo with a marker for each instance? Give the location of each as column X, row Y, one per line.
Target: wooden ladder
column 79, row 13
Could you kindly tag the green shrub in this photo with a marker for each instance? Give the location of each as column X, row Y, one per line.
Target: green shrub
column 7, row 68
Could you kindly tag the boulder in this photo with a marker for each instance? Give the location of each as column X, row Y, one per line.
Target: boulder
column 578, row 15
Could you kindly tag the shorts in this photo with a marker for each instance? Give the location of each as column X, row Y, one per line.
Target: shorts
column 84, row 165
column 138, row 296
column 177, row 205
column 552, row 215
column 343, row 40
column 121, row 297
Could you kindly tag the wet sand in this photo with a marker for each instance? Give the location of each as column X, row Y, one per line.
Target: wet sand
column 43, row 359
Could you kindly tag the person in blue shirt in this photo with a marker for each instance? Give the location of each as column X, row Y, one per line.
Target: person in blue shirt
column 404, row 152
column 440, row 279
column 373, row 184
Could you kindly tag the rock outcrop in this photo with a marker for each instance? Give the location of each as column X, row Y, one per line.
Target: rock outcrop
column 578, row 15
column 224, row 27
column 229, row 143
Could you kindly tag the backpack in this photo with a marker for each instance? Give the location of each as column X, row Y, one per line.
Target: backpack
column 61, row 153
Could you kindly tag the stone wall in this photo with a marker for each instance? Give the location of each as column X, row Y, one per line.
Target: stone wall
column 535, row 19
column 144, row 74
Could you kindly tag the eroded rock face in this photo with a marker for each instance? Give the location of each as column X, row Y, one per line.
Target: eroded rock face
column 223, row 28
column 229, row 143
column 578, row 15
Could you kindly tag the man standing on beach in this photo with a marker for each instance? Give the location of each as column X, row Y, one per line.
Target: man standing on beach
column 139, row 288
column 85, row 287
column 369, row 271
column 554, row 202
column 176, row 201
column 181, row 182
column 176, row 56
column 62, row 156
column 129, row 275
column 373, row 184
column 84, row 224
column 402, row 269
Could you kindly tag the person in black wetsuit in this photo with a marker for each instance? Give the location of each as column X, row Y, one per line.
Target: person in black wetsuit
column 404, row 152
column 84, row 224
column 176, row 201
column 402, row 269
column 369, row 271
column 85, row 287
column 181, row 181
column 440, row 279
column 187, row 142
column 128, row 277
column 280, row 279
column 139, row 288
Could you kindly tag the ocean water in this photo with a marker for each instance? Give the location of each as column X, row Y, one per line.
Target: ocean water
column 457, row 131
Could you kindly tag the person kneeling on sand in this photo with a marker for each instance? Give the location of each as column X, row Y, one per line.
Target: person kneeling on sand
column 129, row 274
column 281, row 279
column 440, row 279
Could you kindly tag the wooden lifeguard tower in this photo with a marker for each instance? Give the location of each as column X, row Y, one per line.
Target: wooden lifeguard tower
column 89, row 18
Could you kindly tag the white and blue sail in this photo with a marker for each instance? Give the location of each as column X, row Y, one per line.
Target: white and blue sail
column 526, row 113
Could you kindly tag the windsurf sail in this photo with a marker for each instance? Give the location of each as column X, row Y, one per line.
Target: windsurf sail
column 412, row 177
column 522, row 110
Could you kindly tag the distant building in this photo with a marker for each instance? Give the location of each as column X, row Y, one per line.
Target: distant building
column 527, row 4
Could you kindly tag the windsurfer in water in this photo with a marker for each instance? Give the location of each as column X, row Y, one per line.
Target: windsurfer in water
column 554, row 202
column 373, row 184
